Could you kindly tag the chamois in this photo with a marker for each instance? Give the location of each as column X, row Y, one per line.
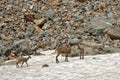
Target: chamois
column 22, row 60
column 63, row 50
column 81, row 49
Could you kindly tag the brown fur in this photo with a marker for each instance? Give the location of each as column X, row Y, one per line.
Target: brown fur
column 63, row 50
column 22, row 60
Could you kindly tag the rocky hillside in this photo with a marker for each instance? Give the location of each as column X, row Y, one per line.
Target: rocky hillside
column 30, row 26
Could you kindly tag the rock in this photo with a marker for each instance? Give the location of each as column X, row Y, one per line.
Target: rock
column 49, row 14
column 28, row 17
column 74, row 41
column 113, row 33
column 56, row 3
column 40, row 22
column 96, row 32
column 45, row 65
column 49, row 20
column 107, row 49
column 2, row 36
column 37, row 16
column 46, row 26
column 53, row 43
column 21, row 35
column 90, row 44
column 90, row 51
column 101, row 22
column 28, row 34
column 37, row 28
column 80, row 0
column 35, row 9
column 10, row 62
column 118, row 21
column 1, row 25
column 1, row 43
column 7, row 50
column 2, row 59
column 17, row 42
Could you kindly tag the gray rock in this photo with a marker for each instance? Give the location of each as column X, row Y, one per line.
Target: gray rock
column 46, row 26
column 21, row 35
column 96, row 32
column 113, row 33
column 50, row 14
column 28, row 34
column 74, row 41
column 10, row 62
column 101, row 22
column 1, row 43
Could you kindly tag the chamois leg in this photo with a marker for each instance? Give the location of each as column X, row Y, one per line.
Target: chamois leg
column 57, row 61
column 82, row 55
column 66, row 57
column 27, row 64
column 22, row 64
column 17, row 65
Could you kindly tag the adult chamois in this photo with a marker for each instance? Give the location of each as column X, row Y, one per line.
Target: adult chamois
column 81, row 49
column 63, row 50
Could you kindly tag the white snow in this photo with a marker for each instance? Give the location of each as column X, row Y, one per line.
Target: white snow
column 98, row 67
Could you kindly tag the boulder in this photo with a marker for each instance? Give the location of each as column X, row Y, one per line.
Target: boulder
column 90, row 51
column 37, row 28
column 40, row 22
column 90, row 44
column 113, row 33
column 118, row 21
column 49, row 14
column 96, row 32
column 10, row 62
column 74, row 41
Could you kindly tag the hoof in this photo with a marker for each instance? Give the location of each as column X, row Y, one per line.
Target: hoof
column 66, row 61
column 57, row 62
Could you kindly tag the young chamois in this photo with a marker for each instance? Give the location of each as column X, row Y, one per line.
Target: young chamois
column 81, row 49
column 22, row 60
column 63, row 50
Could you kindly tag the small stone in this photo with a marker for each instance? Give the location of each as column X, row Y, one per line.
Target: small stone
column 28, row 17
column 56, row 3
column 40, row 22
column 37, row 16
column 113, row 33
column 37, row 28
column 45, row 65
